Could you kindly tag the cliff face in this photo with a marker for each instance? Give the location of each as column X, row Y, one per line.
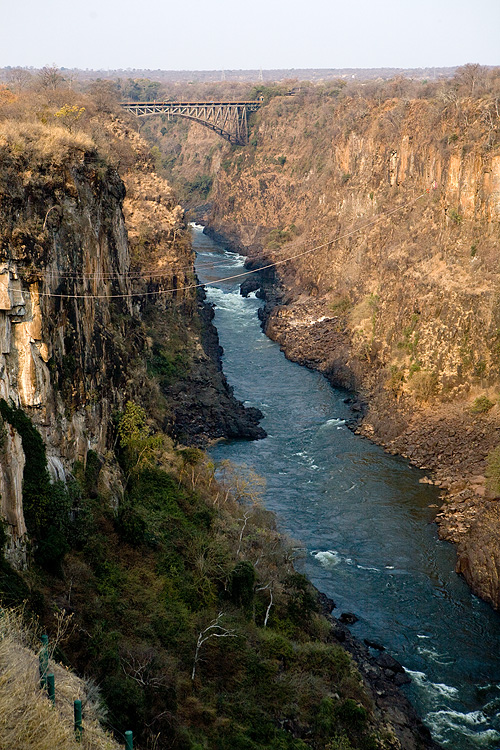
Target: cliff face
column 389, row 211
column 62, row 237
column 95, row 289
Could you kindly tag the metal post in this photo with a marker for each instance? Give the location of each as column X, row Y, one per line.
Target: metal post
column 51, row 688
column 78, row 720
column 43, row 661
column 129, row 741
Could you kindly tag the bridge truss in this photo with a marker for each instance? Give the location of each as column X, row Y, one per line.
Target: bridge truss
column 228, row 119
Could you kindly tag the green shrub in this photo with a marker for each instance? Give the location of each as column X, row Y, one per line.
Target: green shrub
column 302, row 602
column 481, row 405
column 455, row 216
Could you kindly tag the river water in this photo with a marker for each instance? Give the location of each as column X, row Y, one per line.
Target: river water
column 362, row 520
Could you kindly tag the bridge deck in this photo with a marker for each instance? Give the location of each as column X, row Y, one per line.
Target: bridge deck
column 227, row 118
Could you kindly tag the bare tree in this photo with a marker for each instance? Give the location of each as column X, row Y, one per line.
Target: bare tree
column 214, row 630
column 470, row 78
column 19, row 79
column 268, row 586
column 140, row 668
column 50, row 78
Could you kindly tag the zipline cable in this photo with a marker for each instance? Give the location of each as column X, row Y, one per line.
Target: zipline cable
column 275, row 263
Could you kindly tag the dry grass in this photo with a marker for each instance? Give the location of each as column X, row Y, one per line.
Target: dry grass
column 28, row 721
column 41, row 142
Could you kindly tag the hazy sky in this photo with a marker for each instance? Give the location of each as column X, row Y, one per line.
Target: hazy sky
column 217, row 35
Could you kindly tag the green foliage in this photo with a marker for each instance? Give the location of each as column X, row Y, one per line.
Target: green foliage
column 340, row 304
column 54, row 512
column 151, row 577
column 138, row 444
column 132, row 426
column 455, row 216
column 266, row 93
column 36, row 480
column 140, row 90
column 281, row 160
column 396, row 379
column 411, row 337
column 166, row 366
column 479, row 369
column 481, row 405
column 200, row 187
column 302, row 601
column 278, row 237
column 241, row 583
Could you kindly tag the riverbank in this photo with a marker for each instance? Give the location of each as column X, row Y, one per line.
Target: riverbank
column 445, row 438
column 383, row 676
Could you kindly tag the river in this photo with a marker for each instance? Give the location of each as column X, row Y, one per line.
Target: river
column 363, row 522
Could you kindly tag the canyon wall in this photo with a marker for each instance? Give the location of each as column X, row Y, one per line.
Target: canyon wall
column 95, row 289
column 382, row 217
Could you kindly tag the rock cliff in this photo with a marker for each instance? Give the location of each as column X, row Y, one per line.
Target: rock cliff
column 382, row 216
column 86, row 275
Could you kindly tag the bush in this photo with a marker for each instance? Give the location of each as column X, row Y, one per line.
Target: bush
column 481, row 405
column 424, row 385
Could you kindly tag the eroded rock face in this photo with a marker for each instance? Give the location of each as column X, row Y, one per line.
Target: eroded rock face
column 479, row 553
column 11, row 483
column 63, row 239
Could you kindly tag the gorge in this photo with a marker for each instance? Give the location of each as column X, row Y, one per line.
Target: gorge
column 111, row 383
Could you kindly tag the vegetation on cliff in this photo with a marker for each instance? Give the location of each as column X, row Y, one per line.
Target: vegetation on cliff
column 185, row 608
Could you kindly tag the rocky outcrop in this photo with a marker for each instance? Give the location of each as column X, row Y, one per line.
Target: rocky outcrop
column 204, row 406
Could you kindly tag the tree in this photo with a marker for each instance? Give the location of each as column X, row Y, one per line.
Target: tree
column 470, row 78
column 50, row 78
column 140, row 446
column 214, row 630
column 69, row 115
column 19, row 79
column 104, row 94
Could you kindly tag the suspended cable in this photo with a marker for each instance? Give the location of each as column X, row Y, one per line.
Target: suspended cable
column 128, row 295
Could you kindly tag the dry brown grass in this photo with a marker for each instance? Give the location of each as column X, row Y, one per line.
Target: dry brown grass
column 41, row 142
column 28, row 721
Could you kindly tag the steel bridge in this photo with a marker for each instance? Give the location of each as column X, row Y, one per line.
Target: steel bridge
column 228, row 119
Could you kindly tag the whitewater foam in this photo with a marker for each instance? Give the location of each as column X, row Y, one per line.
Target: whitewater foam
column 472, row 724
column 334, row 422
column 328, row 558
column 435, row 690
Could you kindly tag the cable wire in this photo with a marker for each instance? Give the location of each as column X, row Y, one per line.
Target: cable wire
column 129, row 295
